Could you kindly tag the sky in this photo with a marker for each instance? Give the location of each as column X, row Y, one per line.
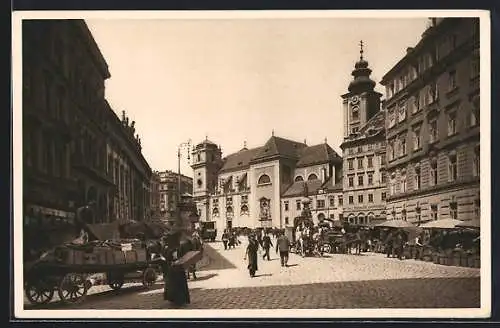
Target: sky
column 235, row 81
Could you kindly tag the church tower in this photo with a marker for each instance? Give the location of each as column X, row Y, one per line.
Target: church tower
column 207, row 161
column 362, row 102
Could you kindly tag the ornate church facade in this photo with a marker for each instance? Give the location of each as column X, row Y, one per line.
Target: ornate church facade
column 249, row 188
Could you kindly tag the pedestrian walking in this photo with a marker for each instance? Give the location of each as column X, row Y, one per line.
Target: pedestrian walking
column 266, row 245
column 175, row 281
column 283, row 247
column 418, row 248
column 225, row 238
column 251, row 254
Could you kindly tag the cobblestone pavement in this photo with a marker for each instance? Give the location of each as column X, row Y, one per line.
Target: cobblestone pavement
column 334, row 281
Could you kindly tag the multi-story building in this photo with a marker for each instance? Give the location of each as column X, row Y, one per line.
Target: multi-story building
column 168, row 192
column 245, row 189
column 69, row 131
column 363, row 150
column 432, row 125
column 155, row 196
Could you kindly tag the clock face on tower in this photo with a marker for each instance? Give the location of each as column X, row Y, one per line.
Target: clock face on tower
column 354, row 100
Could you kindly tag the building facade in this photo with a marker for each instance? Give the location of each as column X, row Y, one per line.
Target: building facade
column 69, row 131
column 432, row 125
column 168, row 192
column 245, row 189
column 363, row 150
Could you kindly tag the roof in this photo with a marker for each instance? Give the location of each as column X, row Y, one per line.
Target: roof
column 297, row 188
column 330, row 185
column 282, row 147
column 239, row 160
column 318, row 154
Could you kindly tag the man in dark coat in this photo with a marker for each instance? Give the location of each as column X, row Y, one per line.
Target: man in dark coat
column 266, row 245
column 283, row 247
column 251, row 254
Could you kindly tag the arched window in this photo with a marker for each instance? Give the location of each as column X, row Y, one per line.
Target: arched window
column 229, row 211
column 264, row 179
column 321, row 217
column 312, row 177
column 299, row 178
column 215, row 211
column 244, row 209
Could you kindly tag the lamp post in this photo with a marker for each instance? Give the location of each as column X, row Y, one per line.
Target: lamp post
column 182, row 146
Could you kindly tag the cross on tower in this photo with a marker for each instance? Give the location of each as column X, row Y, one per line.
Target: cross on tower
column 361, row 49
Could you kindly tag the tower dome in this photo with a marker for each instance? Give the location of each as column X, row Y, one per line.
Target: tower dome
column 361, row 73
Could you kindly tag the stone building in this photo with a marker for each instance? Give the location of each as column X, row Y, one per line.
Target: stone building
column 363, row 150
column 245, row 189
column 155, row 197
column 168, row 192
column 71, row 137
column 432, row 125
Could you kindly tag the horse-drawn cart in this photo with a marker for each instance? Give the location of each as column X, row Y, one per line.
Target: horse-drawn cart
column 73, row 278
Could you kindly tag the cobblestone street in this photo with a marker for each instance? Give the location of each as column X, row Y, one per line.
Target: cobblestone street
column 335, row 281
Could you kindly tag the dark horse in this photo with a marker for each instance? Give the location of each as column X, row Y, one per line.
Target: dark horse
column 355, row 239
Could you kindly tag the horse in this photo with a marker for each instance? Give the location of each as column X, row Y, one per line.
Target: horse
column 356, row 240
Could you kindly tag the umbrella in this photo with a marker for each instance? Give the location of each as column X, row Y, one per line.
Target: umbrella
column 475, row 223
column 396, row 224
column 442, row 224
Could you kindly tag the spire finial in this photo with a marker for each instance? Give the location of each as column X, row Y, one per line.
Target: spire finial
column 245, row 144
column 305, row 141
column 361, row 50
column 272, row 132
column 326, row 140
column 206, row 137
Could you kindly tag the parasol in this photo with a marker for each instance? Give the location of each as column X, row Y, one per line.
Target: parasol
column 396, row 224
column 474, row 223
column 442, row 224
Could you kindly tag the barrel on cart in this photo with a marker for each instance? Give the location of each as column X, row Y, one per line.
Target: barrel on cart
column 69, row 271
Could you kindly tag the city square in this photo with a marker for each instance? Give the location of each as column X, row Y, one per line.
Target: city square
column 156, row 150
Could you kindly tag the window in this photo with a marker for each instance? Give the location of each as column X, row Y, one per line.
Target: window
column 383, row 177
column 390, row 90
column 350, row 163
column 320, row 203
column 360, row 162
column 360, row 179
column 474, row 64
column 432, row 93
column 297, row 203
column 433, row 131
column 417, row 178
column 370, row 178
column 244, row 198
column 286, row 206
column 434, row 212
column 418, row 215
column 403, row 183
column 390, row 151
column 312, row 177
column 392, row 118
column 392, row 186
column 402, row 144
column 286, row 220
column 383, row 196
column 351, row 180
column 417, row 138
column 476, row 162
column 360, row 199
column 332, row 202
column 474, row 117
column 452, row 167
column 370, row 198
column 453, row 211
column 355, row 113
column 341, row 217
column 452, row 80
column 433, row 172
column 452, row 123
column 229, row 200
column 354, row 130
column 370, row 161
column 402, row 112
column 477, row 208
column 264, row 179
column 341, row 200
column 351, row 199
column 299, row 178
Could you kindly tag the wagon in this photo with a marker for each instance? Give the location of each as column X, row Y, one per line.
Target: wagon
column 72, row 282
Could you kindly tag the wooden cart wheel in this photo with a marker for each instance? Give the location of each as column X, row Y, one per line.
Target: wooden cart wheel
column 73, row 288
column 326, row 248
column 149, row 277
column 39, row 292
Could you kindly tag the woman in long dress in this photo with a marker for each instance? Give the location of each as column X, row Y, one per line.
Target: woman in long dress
column 176, row 288
column 251, row 253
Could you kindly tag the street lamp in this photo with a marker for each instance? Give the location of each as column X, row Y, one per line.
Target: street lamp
column 182, row 146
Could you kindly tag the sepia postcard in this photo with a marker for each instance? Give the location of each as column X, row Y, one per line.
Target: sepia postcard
column 251, row 164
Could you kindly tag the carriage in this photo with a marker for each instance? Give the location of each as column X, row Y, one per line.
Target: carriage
column 71, row 272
